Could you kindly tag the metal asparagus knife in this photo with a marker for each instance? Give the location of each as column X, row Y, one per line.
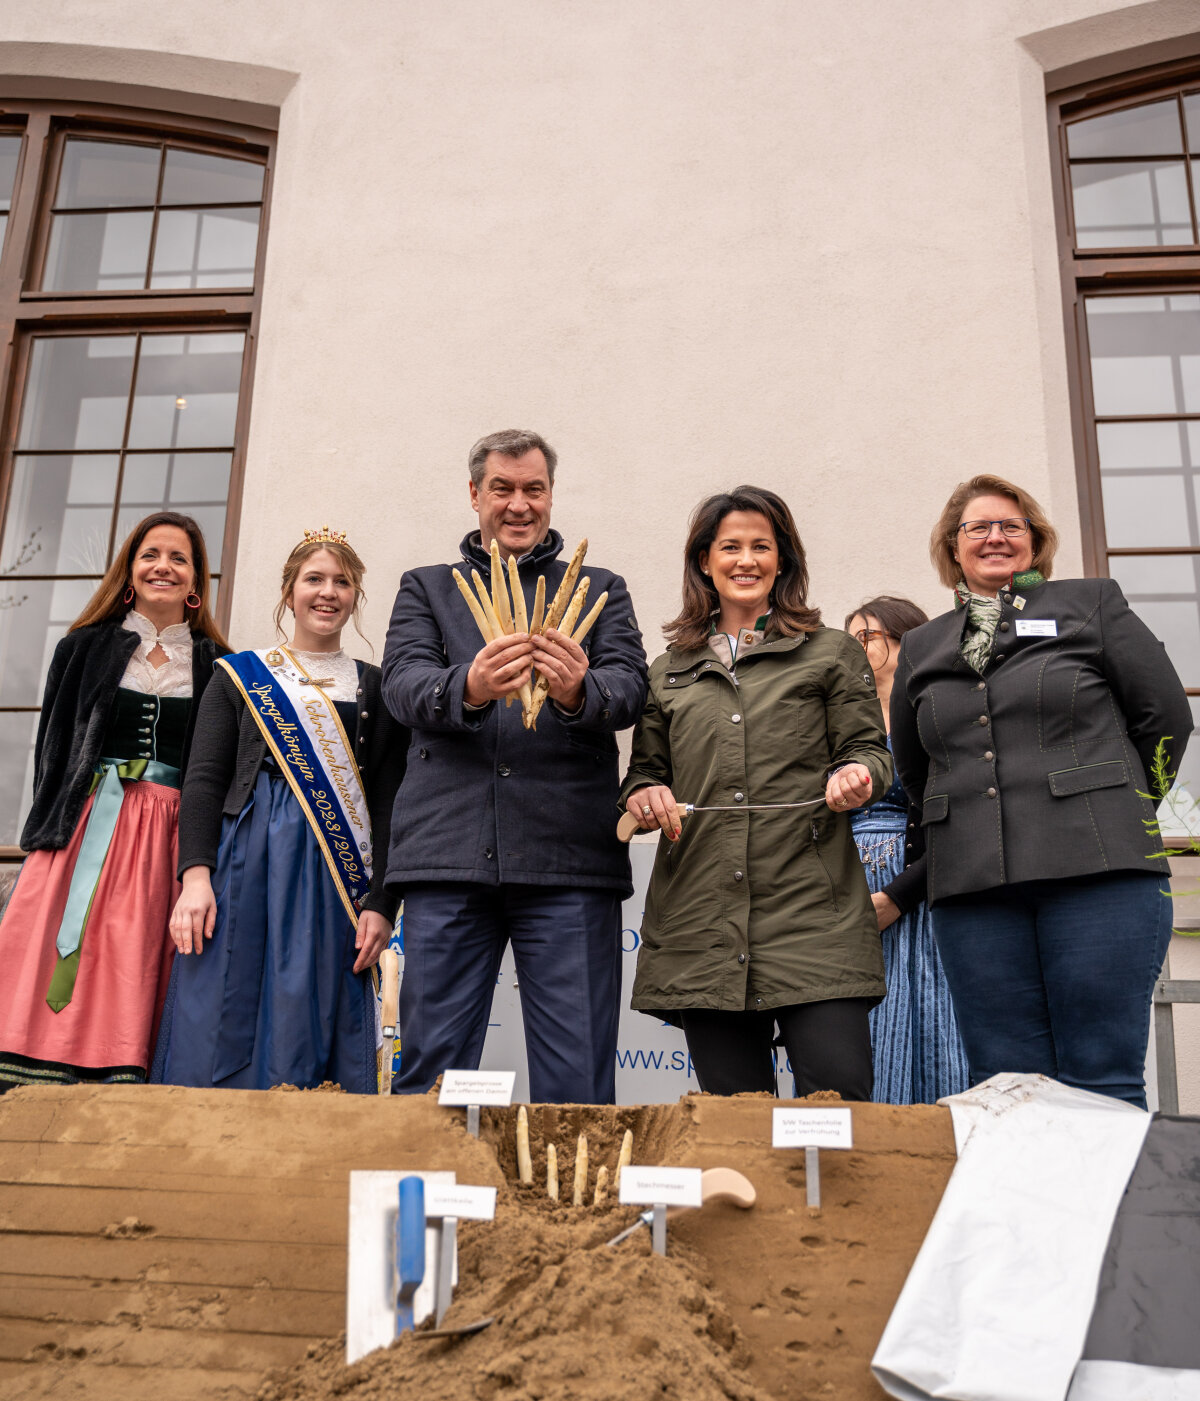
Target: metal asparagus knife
column 628, row 824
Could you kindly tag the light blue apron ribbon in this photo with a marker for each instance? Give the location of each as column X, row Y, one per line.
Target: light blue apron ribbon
column 97, row 838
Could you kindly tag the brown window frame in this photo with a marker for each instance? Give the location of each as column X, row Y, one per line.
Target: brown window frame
column 1111, row 271
column 27, row 312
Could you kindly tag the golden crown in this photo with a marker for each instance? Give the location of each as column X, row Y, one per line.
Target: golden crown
column 324, row 535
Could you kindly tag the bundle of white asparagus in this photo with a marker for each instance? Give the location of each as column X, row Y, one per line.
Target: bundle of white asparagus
column 500, row 614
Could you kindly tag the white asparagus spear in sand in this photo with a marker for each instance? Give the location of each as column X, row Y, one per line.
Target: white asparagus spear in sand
column 472, row 602
column 624, row 1158
column 524, row 1164
column 552, row 1172
column 601, row 1191
column 581, row 1156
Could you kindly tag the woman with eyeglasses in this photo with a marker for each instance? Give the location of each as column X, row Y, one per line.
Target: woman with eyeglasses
column 1025, row 724
column 915, row 1045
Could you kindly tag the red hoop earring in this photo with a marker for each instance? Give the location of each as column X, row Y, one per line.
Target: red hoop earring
column 193, row 601
column 127, row 598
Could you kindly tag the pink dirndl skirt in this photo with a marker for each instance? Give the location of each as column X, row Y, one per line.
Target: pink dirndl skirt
column 107, row 1030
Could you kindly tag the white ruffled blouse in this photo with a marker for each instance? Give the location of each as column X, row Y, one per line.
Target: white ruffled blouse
column 174, row 677
column 337, row 673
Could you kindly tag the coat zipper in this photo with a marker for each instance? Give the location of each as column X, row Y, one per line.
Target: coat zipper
column 821, row 859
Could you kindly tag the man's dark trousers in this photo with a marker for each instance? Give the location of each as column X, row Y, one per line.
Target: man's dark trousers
column 567, row 947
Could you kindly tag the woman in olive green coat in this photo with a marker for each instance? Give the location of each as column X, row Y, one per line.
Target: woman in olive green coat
column 759, row 918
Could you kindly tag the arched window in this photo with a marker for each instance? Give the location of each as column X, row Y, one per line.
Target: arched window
column 130, row 279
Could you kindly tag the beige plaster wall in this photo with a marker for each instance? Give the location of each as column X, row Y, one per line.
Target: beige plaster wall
column 808, row 245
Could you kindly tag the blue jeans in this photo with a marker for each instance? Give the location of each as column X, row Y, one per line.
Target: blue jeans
column 567, row 948
column 1055, row 977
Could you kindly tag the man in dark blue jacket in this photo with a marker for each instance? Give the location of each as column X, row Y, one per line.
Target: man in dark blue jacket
column 500, row 833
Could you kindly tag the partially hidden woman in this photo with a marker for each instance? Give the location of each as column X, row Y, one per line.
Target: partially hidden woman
column 84, row 943
column 758, row 919
column 915, row 1045
column 1024, row 724
column 282, row 852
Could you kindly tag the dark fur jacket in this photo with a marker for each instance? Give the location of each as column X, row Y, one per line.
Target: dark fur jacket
column 84, row 675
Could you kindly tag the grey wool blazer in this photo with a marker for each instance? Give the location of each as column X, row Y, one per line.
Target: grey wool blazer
column 1034, row 769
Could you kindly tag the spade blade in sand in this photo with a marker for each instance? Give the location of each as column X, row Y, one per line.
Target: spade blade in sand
column 465, row 1331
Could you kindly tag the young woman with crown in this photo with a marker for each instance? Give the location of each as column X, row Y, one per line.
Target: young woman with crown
column 84, row 943
column 284, row 831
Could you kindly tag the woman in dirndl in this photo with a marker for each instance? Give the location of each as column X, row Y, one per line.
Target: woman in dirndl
column 915, row 1044
column 84, row 942
column 284, row 831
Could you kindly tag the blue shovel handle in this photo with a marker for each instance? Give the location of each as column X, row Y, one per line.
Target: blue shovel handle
column 410, row 1249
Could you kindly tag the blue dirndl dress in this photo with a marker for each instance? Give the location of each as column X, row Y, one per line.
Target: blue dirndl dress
column 915, row 1043
column 273, row 999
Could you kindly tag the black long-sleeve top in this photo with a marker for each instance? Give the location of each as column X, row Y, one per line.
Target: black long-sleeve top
column 228, row 751
column 85, row 674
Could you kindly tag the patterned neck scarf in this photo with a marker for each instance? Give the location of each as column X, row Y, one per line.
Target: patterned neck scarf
column 983, row 617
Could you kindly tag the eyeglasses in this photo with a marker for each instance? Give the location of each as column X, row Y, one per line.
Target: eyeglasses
column 1011, row 527
column 869, row 637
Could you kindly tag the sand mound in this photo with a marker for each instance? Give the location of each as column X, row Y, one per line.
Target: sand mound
column 188, row 1244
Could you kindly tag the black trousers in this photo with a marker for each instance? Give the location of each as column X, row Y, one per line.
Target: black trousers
column 828, row 1044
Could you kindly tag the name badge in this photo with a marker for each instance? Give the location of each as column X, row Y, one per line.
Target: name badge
column 1037, row 627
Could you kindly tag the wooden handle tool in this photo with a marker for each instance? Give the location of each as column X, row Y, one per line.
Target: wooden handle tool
column 629, row 825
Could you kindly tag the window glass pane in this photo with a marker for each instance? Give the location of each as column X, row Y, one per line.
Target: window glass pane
column 17, row 734
column 1191, row 111
column 34, row 614
column 1162, row 590
column 1131, row 205
column 77, row 392
column 98, row 252
column 107, row 175
column 194, row 178
column 1145, row 354
column 1151, row 129
column 196, row 483
column 187, row 391
column 1148, row 472
column 10, row 149
column 59, row 515
column 205, row 248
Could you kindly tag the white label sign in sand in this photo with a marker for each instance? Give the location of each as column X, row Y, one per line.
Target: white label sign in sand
column 672, row 1186
column 811, row 1128
column 477, row 1087
column 467, row 1203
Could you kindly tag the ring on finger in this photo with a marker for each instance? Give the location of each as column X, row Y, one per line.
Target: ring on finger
column 646, row 810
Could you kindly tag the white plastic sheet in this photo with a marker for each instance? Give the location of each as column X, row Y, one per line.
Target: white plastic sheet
column 997, row 1304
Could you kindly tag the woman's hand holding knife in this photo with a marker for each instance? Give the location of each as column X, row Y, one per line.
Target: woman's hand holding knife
column 654, row 807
